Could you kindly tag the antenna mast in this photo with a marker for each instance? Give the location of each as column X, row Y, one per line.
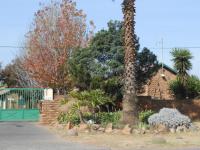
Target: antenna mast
column 162, row 61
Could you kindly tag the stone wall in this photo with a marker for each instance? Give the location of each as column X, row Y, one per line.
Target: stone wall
column 190, row 108
column 49, row 111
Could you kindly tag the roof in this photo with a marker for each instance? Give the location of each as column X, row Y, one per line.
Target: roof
column 169, row 69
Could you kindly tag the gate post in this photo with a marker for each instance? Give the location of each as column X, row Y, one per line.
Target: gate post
column 50, row 111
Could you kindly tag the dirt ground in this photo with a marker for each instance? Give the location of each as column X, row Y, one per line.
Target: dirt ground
column 134, row 141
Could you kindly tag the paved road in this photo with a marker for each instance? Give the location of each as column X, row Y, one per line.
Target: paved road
column 29, row 136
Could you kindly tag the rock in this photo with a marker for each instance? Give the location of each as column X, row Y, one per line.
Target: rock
column 162, row 128
column 69, row 126
column 72, row 132
column 83, row 127
column 109, row 128
column 159, row 140
column 116, row 131
column 87, row 131
column 127, row 130
column 156, row 132
column 136, row 131
column 143, row 132
column 181, row 129
column 90, row 122
column 147, row 131
column 95, row 126
column 144, row 128
column 101, row 129
column 172, row 130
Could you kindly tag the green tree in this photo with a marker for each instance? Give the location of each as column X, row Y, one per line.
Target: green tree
column 101, row 65
column 182, row 63
column 8, row 76
column 185, row 85
column 146, row 66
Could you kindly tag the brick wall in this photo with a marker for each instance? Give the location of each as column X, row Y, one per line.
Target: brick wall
column 190, row 108
column 158, row 85
column 49, row 111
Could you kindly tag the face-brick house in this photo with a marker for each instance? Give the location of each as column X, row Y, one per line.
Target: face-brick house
column 158, row 86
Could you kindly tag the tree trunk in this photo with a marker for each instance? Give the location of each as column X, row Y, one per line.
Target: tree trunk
column 130, row 114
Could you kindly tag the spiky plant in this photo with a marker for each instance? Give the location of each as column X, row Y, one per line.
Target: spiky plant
column 182, row 63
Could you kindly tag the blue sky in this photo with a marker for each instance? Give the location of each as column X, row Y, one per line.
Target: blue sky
column 176, row 21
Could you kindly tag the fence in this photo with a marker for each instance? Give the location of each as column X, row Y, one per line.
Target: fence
column 20, row 98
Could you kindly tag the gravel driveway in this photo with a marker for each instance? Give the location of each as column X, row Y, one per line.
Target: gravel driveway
column 30, row 136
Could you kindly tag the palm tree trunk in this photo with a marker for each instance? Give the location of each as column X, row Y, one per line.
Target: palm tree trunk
column 129, row 115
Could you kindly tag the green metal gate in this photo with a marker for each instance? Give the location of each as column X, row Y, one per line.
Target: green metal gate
column 20, row 104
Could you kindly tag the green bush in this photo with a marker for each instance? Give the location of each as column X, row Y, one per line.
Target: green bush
column 193, row 86
column 66, row 117
column 178, row 89
column 62, row 118
column 64, row 101
column 144, row 115
column 190, row 90
column 93, row 98
column 100, row 118
column 105, row 117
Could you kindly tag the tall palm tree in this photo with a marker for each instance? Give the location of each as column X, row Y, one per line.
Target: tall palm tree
column 130, row 114
column 182, row 63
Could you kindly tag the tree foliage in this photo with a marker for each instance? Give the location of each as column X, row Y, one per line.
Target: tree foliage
column 185, row 85
column 7, row 76
column 182, row 63
column 101, row 65
column 190, row 90
column 57, row 30
column 15, row 75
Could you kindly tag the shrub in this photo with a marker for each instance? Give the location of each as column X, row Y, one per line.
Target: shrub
column 93, row 99
column 178, row 89
column 62, row 118
column 105, row 117
column 144, row 115
column 73, row 118
column 170, row 118
column 193, row 86
column 100, row 118
column 64, row 101
column 66, row 117
column 190, row 90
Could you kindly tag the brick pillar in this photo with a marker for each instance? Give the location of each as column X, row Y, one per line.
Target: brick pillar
column 49, row 111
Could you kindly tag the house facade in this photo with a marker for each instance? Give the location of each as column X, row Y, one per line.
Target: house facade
column 158, row 86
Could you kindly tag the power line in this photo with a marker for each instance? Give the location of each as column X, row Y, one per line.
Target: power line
column 7, row 46
column 181, row 47
column 186, row 47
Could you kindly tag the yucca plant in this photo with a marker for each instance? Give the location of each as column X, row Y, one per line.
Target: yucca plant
column 93, row 99
column 182, row 63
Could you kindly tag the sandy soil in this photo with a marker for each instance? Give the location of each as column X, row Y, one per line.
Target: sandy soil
column 134, row 141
